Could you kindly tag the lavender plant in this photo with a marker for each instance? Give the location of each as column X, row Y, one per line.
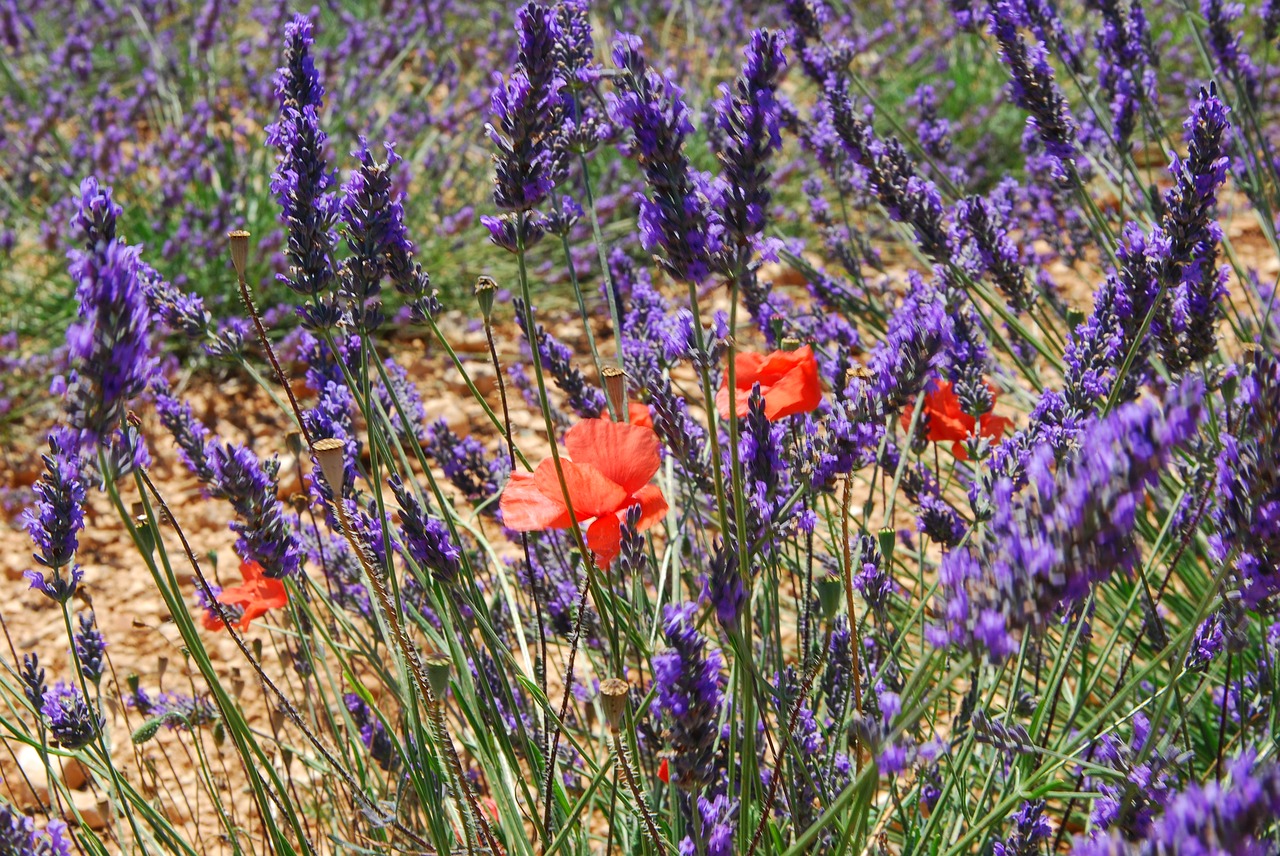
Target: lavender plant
column 881, row 477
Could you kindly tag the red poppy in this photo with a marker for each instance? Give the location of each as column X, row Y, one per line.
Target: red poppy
column 637, row 414
column 258, row 594
column 607, row 472
column 664, row 771
column 948, row 423
column 788, row 381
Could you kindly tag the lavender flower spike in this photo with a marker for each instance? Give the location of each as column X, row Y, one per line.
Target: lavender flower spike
column 690, row 694
column 109, row 346
column 70, row 717
column 56, row 520
column 1045, row 548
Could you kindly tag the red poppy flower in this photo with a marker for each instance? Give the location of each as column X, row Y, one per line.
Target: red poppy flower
column 258, row 594
column 664, row 771
column 788, row 381
column 948, row 423
column 637, row 414
column 607, row 472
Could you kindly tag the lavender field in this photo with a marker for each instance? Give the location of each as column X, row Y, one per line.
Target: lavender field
column 679, row 429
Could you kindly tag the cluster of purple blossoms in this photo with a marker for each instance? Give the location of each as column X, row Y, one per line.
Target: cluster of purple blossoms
column 722, row 586
column 690, row 694
column 1224, row 42
column 372, row 732
column 556, row 358
column 766, row 475
column 984, row 225
column 32, row 678
column 1032, row 86
column 910, row 351
column 1246, row 516
column 234, row 473
column 375, row 233
column 55, row 522
column 426, row 539
column 177, row 710
column 91, row 647
column 1045, row 548
column 1126, row 60
column 466, row 463
column 680, row 214
column 18, row 836
column 1030, row 827
column 302, row 182
column 529, row 160
column 109, row 347
column 70, row 718
column 1211, row 819
column 1196, row 286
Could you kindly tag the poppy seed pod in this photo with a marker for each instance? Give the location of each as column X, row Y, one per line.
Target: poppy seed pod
column 485, row 291
column 239, row 250
column 615, row 387
column 328, row 454
column 613, row 697
column 438, row 667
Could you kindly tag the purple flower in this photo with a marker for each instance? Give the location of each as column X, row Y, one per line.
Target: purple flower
column 374, row 219
column 109, row 346
column 426, row 539
column 1197, row 286
column 302, row 182
column 91, row 647
column 722, row 586
column 1032, row 86
column 466, row 463
column 556, row 358
column 1030, row 827
column 32, row 677
column 55, row 522
column 1246, row 515
column 372, row 732
column 73, row 723
column 1044, row 550
column 250, row 486
column 690, row 694
column 1230, row 56
column 679, row 215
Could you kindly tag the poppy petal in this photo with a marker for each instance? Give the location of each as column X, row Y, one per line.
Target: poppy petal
column 653, row 506
column 591, row 492
column 525, row 508
column 604, row 537
column 799, row 391
column 626, row 454
column 748, row 367
column 740, row 401
column 637, row 414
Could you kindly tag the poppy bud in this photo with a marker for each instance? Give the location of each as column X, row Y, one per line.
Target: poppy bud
column 615, row 387
column 239, row 250
column 438, row 667
column 829, row 591
column 613, row 697
column 486, row 290
column 293, row 442
column 1074, row 318
column 887, row 538
column 790, row 343
column 328, row 454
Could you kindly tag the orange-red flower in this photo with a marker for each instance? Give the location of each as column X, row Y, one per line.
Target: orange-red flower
column 637, row 414
column 948, row 423
column 258, row 594
column 788, row 381
column 607, row 472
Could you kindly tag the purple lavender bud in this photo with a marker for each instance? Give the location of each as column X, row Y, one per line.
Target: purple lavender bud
column 55, row 522
column 871, row 579
column 1224, row 817
column 372, row 732
column 374, row 219
column 109, row 346
column 32, row 677
column 585, row 398
column 631, row 556
column 250, row 486
column 1270, row 14
column 466, row 463
column 1206, row 645
column 906, row 196
column 302, row 180
column 722, row 586
column 1246, row 515
column 1030, row 827
column 1197, row 286
column 426, row 539
column 996, row 250
column 690, row 694
column 718, row 820
column 190, row 435
column 1032, row 86
column 17, row 833
column 1045, row 549
column 1230, row 56
column 901, row 363
column 91, row 647
column 73, row 723
column 679, row 216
